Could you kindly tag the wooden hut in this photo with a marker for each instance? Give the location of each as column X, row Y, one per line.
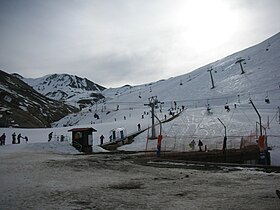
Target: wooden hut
column 82, row 139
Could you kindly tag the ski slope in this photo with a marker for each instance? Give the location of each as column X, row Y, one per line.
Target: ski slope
column 125, row 106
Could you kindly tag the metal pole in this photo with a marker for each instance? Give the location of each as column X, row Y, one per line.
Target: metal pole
column 210, row 70
column 152, row 103
column 239, row 61
column 258, row 115
column 153, row 121
column 242, row 71
column 225, row 138
column 160, row 124
column 224, row 127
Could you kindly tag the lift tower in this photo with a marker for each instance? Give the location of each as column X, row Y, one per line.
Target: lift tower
column 153, row 103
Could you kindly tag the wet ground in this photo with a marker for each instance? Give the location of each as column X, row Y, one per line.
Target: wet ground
column 123, row 181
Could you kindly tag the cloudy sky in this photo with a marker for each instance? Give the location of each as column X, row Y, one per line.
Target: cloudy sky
column 118, row 42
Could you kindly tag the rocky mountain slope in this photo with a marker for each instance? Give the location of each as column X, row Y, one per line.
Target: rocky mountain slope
column 22, row 106
column 71, row 89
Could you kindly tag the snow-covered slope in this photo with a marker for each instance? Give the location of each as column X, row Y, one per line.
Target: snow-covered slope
column 125, row 106
column 261, row 79
column 69, row 88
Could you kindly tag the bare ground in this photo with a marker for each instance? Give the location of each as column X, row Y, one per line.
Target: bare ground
column 105, row 181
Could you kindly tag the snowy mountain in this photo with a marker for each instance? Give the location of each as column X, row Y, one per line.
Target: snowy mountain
column 193, row 90
column 126, row 107
column 24, row 107
column 69, row 88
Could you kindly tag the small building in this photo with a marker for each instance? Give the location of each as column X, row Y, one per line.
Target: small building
column 118, row 134
column 82, row 139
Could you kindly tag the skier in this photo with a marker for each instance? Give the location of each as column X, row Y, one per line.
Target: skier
column 18, row 138
column 200, row 144
column 139, row 127
column 192, row 144
column 26, row 139
column 50, row 136
column 227, row 107
column 3, row 139
column 101, row 139
column 14, row 138
column 96, row 116
column 208, row 108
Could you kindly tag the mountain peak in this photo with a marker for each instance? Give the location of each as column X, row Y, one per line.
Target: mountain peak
column 66, row 87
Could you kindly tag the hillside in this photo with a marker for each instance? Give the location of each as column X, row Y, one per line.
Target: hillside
column 125, row 106
column 193, row 90
column 79, row 92
column 22, row 106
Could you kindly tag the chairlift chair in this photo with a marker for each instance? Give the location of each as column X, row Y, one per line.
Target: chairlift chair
column 267, row 100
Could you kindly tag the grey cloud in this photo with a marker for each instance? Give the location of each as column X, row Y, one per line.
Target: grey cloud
column 117, row 42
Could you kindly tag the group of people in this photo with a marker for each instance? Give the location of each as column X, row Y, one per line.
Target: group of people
column 18, row 138
column 15, row 138
column 200, row 145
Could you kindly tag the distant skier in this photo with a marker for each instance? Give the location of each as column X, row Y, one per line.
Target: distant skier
column 200, row 144
column 3, row 139
column 192, row 144
column 14, row 138
column 50, row 136
column 227, row 107
column 18, row 138
column 96, row 116
column 139, row 127
column 101, row 139
column 26, row 139
column 208, row 108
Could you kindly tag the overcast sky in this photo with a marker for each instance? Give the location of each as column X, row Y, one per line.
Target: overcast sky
column 118, row 42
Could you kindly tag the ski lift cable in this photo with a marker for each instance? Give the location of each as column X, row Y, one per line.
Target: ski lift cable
column 199, row 99
column 198, row 124
column 252, row 95
column 247, row 117
column 274, row 117
column 231, row 118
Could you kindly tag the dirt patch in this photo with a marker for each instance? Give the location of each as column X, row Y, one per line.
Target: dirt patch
column 119, row 181
column 127, row 186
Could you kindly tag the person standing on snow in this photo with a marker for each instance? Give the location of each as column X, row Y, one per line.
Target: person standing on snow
column 50, row 136
column 101, row 139
column 3, row 139
column 139, row 127
column 192, row 144
column 14, row 138
column 26, row 139
column 200, row 144
column 18, row 138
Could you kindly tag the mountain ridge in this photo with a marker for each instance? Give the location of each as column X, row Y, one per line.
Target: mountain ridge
column 22, row 106
column 71, row 89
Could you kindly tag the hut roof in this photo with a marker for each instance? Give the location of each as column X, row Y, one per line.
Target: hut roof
column 82, row 129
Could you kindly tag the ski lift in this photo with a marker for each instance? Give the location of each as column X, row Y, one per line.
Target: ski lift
column 208, row 108
column 267, row 100
column 227, row 107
